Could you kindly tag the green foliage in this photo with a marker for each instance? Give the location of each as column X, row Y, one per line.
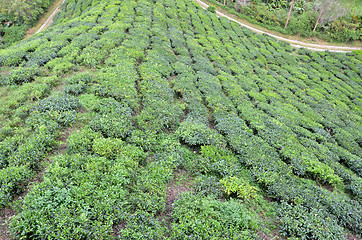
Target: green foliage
column 211, row 9
column 82, row 141
column 20, row 75
column 107, row 147
column 11, row 35
column 195, row 133
column 78, row 83
column 303, row 24
column 234, row 186
column 344, row 31
column 113, row 119
column 61, row 103
column 208, row 186
column 217, row 161
column 24, row 11
column 273, row 15
column 141, row 225
column 202, row 218
column 298, row 221
column 10, row 182
column 81, row 183
column 177, row 100
column 59, row 66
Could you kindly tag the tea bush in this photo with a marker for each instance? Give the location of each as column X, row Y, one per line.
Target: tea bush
column 180, row 125
column 300, row 222
column 201, row 217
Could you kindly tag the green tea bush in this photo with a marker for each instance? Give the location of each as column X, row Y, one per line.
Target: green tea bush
column 149, row 189
column 60, row 66
column 77, row 84
column 196, row 133
column 41, row 56
column 8, row 146
column 61, row 103
column 118, row 83
column 298, row 221
column 181, row 101
column 107, row 147
column 141, row 225
column 352, row 161
column 208, row 186
column 113, row 120
column 234, row 186
column 20, row 75
column 33, row 151
column 112, row 125
column 217, row 161
column 11, row 180
column 204, row 217
column 12, row 57
column 73, row 180
column 81, row 142
column 355, row 187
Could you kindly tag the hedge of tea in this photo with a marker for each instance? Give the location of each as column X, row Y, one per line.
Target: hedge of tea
column 119, row 100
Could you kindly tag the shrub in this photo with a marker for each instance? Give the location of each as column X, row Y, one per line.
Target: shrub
column 69, row 181
column 82, row 141
column 12, row 34
column 78, row 83
column 107, row 147
column 196, row 133
column 59, row 103
column 113, row 120
column 203, row 218
column 11, row 180
column 234, row 186
column 344, row 31
column 211, row 9
column 142, row 225
column 20, row 75
column 60, row 66
column 208, row 186
column 298, row 221
column 303, row 24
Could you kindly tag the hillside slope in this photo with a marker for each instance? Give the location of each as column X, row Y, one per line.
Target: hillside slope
column 294, row 43
column 156, row 119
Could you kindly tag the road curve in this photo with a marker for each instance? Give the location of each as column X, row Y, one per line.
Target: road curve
column 294, row 43
column 50, row 18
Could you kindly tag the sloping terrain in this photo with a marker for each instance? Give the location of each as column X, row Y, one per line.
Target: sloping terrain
column 156, row 119
column 294, row 43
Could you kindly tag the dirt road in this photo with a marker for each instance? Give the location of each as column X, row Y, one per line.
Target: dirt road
column 50, row 18
column 294, row 43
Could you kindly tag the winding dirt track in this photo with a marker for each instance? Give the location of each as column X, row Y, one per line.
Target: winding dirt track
column 294, row 43
column 50, row 18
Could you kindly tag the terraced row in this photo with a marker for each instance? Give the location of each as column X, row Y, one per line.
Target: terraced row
column 151, row 89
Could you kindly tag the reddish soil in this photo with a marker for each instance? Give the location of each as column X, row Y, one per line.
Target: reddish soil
column 5, row 215
column 181, row 183
column 117, row 228
column 350, row 236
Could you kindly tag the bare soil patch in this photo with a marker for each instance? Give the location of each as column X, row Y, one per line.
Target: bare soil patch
column 181, row 183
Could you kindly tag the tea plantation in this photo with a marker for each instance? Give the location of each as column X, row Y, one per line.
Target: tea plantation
column 148, row 119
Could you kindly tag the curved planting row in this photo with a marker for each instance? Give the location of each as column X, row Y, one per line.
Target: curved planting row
column 181, row 125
